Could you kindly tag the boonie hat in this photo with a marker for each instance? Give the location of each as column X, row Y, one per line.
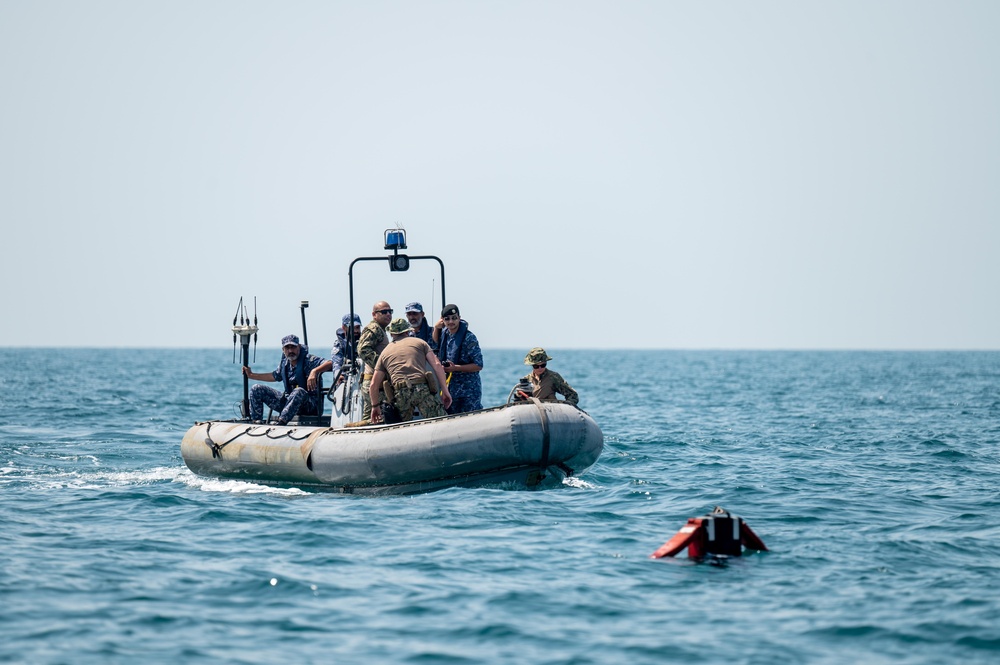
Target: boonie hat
column 347, row 320
column 449, row 310
column 398, row 327
column 535, row 356
column 289, row 339
column 414, row 307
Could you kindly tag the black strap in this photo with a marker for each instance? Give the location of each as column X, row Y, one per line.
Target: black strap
column 463, row 327
column 544, row 464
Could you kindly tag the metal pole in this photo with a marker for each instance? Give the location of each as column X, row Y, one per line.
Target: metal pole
column 302, row 309
column 245, row 341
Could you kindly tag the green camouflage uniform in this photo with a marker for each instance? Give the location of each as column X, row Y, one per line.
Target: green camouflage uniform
column 371, row 343
column 419, row 396
column 551, row 383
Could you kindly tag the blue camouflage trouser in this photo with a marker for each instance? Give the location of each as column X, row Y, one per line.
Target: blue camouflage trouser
column 464, row 404
column 298, row 400
column 466, row 393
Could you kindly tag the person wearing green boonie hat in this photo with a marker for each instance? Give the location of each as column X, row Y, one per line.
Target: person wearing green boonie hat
column 399, row 327
column 403, row 363
column 545, row 383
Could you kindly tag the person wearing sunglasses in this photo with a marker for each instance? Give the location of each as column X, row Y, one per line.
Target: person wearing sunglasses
column 371, row 343
column 459, row 352
column 546, row 383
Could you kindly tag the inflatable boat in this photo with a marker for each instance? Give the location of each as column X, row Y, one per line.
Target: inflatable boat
column 525, row 443
column 522, row 445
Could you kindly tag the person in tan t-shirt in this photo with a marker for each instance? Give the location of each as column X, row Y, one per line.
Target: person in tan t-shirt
column 404, row 362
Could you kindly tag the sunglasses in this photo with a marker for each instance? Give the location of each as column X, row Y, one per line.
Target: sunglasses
column 382, row 311
column 539, row 365
column 451, row 317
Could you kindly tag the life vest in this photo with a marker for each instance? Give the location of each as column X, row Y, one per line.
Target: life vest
column 719, row 532
column 297, row 379
column 463, row 327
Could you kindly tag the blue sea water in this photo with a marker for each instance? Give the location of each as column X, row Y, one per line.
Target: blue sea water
column 871, row 476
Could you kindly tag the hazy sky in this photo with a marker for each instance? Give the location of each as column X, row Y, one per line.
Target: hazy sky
column 593, row 174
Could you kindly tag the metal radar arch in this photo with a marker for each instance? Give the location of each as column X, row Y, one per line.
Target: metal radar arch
column 395, row 240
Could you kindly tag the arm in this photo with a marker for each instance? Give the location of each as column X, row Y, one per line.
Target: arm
column 366, row 347
column 377, row 378
column 566, row 391
column 338, row 354
column 313, row 379
column 472, row 352
column 266, row 376
column 468, row 368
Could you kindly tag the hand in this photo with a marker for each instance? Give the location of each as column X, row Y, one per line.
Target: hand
column 246, row 371
column 311, row 381
column 445, row 399
column 376, row 414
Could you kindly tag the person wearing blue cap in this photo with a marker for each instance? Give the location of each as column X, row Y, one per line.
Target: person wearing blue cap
column 421, row 329
column 302, row 386
column 338, row 354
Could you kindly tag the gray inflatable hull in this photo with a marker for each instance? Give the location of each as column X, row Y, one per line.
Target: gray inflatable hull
column 529, row 444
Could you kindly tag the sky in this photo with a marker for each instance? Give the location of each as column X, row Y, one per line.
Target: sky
column 675, row 175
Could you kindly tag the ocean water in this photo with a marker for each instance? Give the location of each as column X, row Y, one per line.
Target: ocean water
column 874, row 479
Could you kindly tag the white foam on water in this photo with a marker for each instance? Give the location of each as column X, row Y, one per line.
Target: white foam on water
column 206, row 484
column 579, row 483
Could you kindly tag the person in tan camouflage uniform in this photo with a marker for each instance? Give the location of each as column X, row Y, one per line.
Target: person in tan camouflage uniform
column 544, row 381
column 371, row 343
column 404, row 362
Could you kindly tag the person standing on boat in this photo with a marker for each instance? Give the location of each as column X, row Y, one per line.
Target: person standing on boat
column 459, row 352
column 404, row 363
column 373, row 340
column 302, row 387
column 338, row 354
column 421, row 329
column 546, row 383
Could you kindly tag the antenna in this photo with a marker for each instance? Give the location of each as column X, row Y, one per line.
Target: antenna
column 245, row 330
column 302, row 308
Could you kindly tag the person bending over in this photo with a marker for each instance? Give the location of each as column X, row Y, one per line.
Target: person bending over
column 404, row 362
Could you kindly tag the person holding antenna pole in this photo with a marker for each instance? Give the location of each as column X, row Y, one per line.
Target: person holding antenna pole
column 302, row 387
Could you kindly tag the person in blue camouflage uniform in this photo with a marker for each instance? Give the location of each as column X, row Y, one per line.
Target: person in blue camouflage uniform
column 302, row 386
column 373, row 340
column 546, row 383
column 338, row 354
column 462, row 358
column 421, row 329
